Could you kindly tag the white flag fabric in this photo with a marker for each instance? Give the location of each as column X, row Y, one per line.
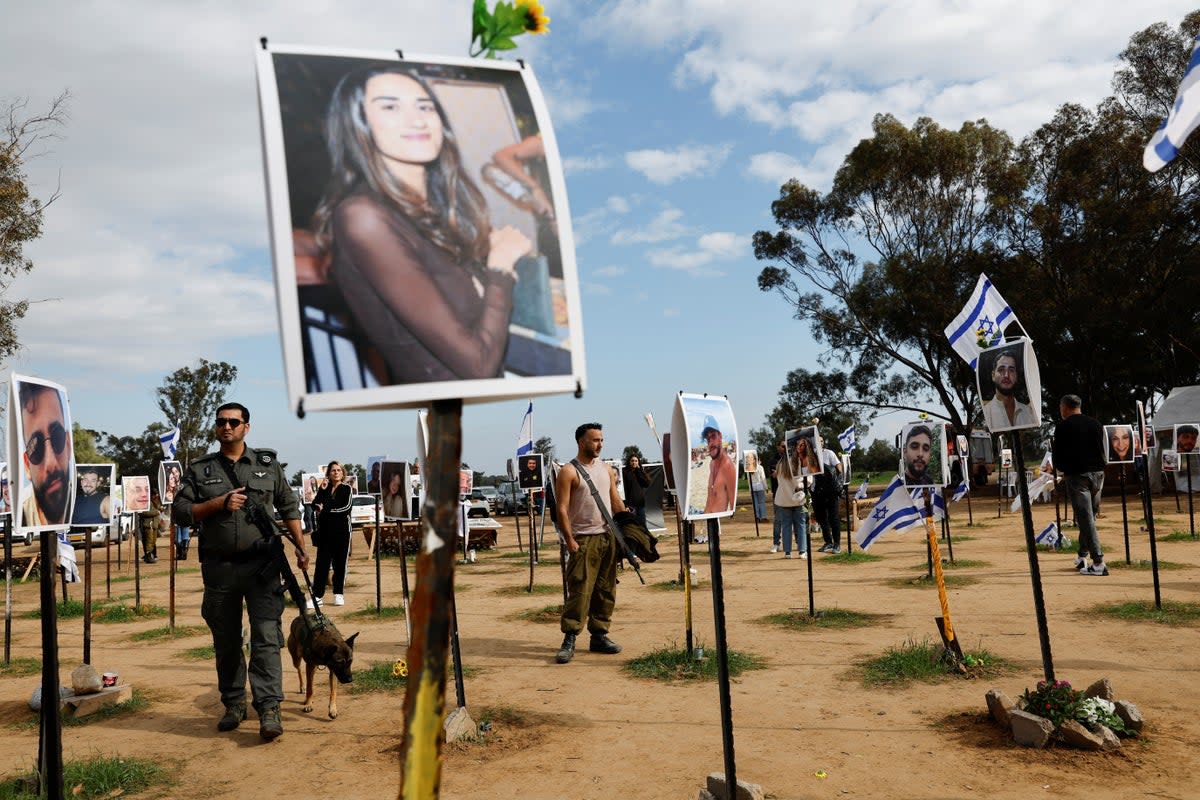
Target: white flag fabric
column 1182, row 119
column 894, row 511
column 1044, row 483
column 937, row 505
column 861, row 494
column 846, row 439
column 986, row 311
column 66, row 557
column 169, row 442
column 961, row 490
column 525, row 437
column 1049, row 535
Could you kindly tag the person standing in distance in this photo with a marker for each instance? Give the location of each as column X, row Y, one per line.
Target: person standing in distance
column 636, row 480
column 235, row 564
column 592, row 568
column 1078, row 454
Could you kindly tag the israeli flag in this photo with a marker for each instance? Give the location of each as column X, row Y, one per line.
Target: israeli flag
column 938, row 504
column 525, row 437
column 1183, row 118
column 960, row 491
column 986, row 311
column 846, row 440
column 894, row 512
column 169, row 442
column 1048, row 536
column 66, row 557
column 861, row 494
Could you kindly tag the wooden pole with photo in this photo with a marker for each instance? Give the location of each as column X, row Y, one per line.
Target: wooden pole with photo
column 967, row 477
column 945, row 626
column 8, row 576
column 718, row 593
column 50, row 757
column 172, row 570
column 1148, row 509
column 685, row 578
column 378, row 559
column 533, row 555
column 1035, row 572
column 1186, row 458
column 137, row 561
column 424, row 697
column 87, row 603
column 1125, row 516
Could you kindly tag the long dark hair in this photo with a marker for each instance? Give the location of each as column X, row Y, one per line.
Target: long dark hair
column 453, row 214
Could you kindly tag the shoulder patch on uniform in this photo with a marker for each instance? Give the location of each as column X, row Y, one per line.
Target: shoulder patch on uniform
column 265, row 456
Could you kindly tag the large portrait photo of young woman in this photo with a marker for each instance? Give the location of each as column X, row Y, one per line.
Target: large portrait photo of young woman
column 421, row 237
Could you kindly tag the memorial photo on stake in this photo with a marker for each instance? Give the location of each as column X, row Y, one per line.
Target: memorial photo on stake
column 41, row 447
column 750, row 459
column 804, row 447
column 529, row 471
column 5, row 501
column 1118, row 444
column 705, row 455
column 1184, row 440
column 93, row 485
column 1170, row 461
column 922, row 455
column 170, row 473
column 396, row 480
column 422, row 244
column 374, row 464
column 1009, row 387
column 136, row 490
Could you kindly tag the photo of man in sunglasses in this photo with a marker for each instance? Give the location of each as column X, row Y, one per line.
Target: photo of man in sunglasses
column 47, row 454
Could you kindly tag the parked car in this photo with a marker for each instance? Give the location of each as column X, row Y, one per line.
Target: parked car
column 488, row 495
column 512, row 499
column 362, row 512
column 25, row 538
column 91, row 536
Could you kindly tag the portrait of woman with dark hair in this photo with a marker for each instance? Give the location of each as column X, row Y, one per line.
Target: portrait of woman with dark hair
column 424, row 275
column 1119, row 441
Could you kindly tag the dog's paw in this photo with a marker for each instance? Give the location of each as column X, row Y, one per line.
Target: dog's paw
column 333, row 712
column 308, row 709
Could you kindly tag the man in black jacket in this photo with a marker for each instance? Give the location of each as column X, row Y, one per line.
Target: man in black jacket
column 1079, row 457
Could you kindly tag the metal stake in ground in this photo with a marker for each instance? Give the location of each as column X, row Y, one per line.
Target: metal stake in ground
column 1125, row 516
column 1148, row 500
column 685, row 578
column 1185, row 458
column 404, row 582
column 718, row 593
column 533, row 558
column 137, row 561
column 424, row 698
column 50, row 763
column 812, row 608
column 946, row 527
column 1035, row 572
column 945, row 626
column 378, row 554
column 171, row 579
column 966, row 466
column 8, row 576
column 87, row 602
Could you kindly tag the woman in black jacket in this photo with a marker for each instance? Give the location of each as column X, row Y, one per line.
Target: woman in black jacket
column 332, row 504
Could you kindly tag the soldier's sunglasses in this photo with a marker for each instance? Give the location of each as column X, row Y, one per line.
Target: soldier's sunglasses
column 35, row 448
column 231, row 422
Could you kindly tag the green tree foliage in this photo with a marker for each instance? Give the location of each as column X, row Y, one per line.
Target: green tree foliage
column 133, row 455
column 360, row 471
column 801, row 399
column 928, row 203
column 1109, row 247
column 21, row 213
column 879, row 457
column 632, row 450
column 85, row 445
column 190, row 397
column 544, row 446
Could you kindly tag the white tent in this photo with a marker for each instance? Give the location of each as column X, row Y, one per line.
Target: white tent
column 1181, row 406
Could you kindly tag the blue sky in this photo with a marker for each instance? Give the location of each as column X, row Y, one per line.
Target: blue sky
column 677, row 119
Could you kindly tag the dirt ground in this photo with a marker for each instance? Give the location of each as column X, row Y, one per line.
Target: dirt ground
column 804, row 727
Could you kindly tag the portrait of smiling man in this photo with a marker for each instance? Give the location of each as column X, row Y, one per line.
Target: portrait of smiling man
column 47, row 453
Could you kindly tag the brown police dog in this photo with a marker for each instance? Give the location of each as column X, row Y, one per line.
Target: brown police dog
column 320, row 646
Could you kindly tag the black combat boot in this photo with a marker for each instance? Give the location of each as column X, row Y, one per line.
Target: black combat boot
column 600, row 643
column 234, row 715
column 567, row 651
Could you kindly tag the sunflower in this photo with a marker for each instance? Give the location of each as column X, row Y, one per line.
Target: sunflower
column 536, row 20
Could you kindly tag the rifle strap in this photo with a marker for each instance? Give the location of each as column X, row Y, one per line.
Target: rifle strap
column 608, row 520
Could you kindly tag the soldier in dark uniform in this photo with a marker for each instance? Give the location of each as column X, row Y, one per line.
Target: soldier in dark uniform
column 237, row 567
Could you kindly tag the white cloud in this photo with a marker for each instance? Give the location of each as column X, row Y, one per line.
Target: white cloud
column 662, row 228
column 609, row 272
column 598, row 289
column 670, row 312
column 687, row 161
column 577, row 165
column 698, row 260
column 618, row 205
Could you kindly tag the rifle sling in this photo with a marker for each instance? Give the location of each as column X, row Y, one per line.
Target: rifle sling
column 608, row 520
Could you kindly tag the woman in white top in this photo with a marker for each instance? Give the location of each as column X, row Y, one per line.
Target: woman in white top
column 791, row 520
